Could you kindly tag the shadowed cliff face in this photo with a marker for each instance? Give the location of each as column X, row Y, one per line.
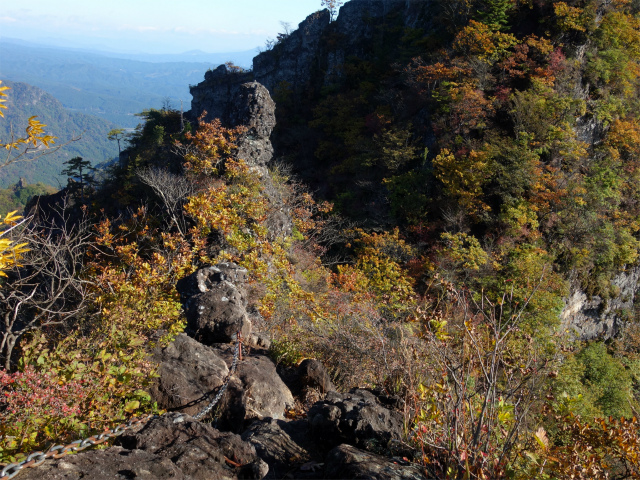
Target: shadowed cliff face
column 313, row 55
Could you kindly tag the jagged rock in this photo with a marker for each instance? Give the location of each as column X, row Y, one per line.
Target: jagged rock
column 173, row 446
column 235, row 101
column 259, row 340
column 209, row 277
column 284, row 446
column 293, row 61
column 591, row 318
column 113, row 463
column 188, row 372
column 313, row 374
column 256, row 392
column 216, row 94
column 214, row 306
column 346, row 461
column 198, row 449
column 356, row 418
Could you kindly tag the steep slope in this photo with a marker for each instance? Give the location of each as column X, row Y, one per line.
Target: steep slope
column 472, row 127
column 25, row 101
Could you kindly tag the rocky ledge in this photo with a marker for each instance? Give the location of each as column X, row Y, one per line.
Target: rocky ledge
column 258, row 429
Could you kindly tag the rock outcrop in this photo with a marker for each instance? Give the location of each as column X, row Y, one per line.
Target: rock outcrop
column 347, row 461
column 214, row 300
column 229, row 96
column 189, row 372
column 590, row 318
column 356, row 418
column 172, row 446
column 190, row 375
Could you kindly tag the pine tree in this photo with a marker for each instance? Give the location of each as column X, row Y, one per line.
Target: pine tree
column 80, row 174
column 495, row 13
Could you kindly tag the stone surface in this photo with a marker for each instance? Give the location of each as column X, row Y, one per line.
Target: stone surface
column 313, row 374
column 209, row 277
column 591, row 318
column 198, row 449
column 256, row 392
column 284, row 446
column 215, row 303
column 292, row 61
column 346, row 462
column 236, row 101
column 188, row 373
column 173, row 446
column 356, row 418
column 114, row 463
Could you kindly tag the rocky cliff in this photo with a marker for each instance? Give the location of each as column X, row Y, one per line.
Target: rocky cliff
column 313, row 56
column 594, row 317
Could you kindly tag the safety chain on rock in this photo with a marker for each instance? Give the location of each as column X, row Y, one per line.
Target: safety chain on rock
column 36, row 459
column 237, row 354
column 58, row 451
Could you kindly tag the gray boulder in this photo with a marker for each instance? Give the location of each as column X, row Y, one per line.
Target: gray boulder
column 285, row 446
column 189, row 374
column 256, row 392
column 346, row 462
column 313, row 374
column 357, row 418
column 215, row 303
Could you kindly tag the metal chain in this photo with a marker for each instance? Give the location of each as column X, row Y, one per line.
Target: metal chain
column 58, row 451
column 237, row 354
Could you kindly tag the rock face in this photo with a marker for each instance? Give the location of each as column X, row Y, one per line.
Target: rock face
column 356, row 418
column 173, row 446
column 232, row 98
column 313, row 55
column 291, row 63
column 189, row 373
column 215, row 303
column 347, row 461
column 235, row 100
column 312, row 374
column 256, row 392
column 278, row 442
column 595, row 317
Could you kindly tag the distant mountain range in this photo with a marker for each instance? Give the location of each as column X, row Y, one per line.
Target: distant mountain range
column 24, row 101
column 112, row 86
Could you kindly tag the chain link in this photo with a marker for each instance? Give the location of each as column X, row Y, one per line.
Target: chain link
column 237, row 354
column 58, row 451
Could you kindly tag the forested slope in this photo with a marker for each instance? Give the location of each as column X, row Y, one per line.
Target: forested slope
column 90, row 134
column 443, row 177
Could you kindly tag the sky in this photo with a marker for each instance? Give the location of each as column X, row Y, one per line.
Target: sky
column 152, row 26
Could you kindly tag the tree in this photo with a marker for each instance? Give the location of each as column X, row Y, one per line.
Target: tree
column 173, row 190
column 79, row 171
column 333, row 6
column 495, row 13
column 33, row 145
column 45, row 288
column 117, row 134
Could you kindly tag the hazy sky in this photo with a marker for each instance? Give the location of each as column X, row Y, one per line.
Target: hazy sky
column 152, row 26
